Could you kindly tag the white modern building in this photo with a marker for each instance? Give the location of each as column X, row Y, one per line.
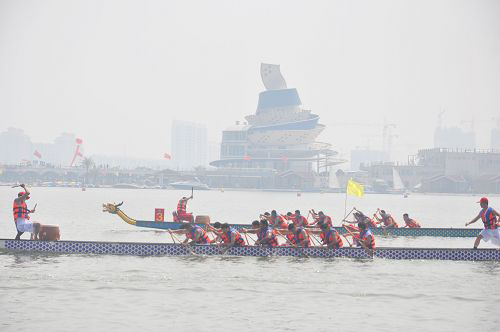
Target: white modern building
column 189, row 145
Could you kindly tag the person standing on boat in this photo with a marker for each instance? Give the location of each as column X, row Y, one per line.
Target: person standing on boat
column 21, row 215
column 181, row 214
column 489, row 217
column 386, row 218
column 410, row 223
column 195, row 233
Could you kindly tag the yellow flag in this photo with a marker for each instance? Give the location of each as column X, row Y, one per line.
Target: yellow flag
column 355, row 189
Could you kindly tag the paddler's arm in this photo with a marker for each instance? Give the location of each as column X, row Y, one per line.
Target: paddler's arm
column 249, row 230
column 473, row 220
column 177, row 231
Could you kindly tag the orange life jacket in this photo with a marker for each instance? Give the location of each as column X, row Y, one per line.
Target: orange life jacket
column 181, row 206
column 300, row 221
column 489, row 219
column 262, row 236
column 363, row 235
column 20, row 210
column 412, row 223
column 278, row 222
column 239, row 239
column 291, row 238
column 327, row 237
column 326, row 220
column 299, row 237
column 203, row 239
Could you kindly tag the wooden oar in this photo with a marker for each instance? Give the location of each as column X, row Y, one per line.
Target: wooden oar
column 187, row 246
column 347, row 215
column 368, row 251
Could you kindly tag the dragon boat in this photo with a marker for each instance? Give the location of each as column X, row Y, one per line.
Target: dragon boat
column 175, row 249
column 435, row 232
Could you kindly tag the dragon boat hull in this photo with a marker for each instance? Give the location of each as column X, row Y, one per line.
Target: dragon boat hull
column 171, row 249
column 436, row 232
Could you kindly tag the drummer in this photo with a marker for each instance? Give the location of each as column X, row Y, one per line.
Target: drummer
column 21, row 215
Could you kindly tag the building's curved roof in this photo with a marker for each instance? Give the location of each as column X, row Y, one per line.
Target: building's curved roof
column 278, row 98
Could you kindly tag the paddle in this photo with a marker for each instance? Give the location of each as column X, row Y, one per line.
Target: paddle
column 187, row 246
column 368, row 251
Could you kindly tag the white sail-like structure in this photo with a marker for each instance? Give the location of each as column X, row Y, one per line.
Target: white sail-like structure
column 397, row 182
column 271, row 77
column 333, row 180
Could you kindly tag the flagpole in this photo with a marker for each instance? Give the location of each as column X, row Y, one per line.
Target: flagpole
column 345, row 203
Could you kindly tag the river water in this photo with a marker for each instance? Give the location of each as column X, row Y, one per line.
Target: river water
column 101, row 293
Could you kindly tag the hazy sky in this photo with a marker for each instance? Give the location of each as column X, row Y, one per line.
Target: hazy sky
column 116, row 73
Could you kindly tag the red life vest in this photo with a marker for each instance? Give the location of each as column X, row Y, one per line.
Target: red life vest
column 203, row 239
column 388, row 223
column 489, row 219
column 262, row 236
column 239, row 239
column 299, row 237
column 278, row 222
column 181, row 206
column 327, row 221
column 291, row 238
column 364, row 235
column 371, row 222
column 327, row 238
column 300, row 221
column 412, row 223
column 20, row 210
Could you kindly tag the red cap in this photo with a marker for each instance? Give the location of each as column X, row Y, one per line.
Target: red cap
column 19, row 194
column 483, row 200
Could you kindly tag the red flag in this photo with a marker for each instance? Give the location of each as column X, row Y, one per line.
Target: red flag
column 79, row 141
column 79, row 154
column 246, row 157
column 167, row 156
column 37, row 154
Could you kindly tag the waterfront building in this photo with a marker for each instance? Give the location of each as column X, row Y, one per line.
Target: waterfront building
column 276, row 147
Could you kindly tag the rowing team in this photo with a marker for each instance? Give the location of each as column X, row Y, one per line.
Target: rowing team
column 379, row 217
column 267, row 235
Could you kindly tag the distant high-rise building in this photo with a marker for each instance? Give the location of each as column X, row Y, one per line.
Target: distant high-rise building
column 15, row 146
column 495, row 138
column 454, row 138
column 189, row 145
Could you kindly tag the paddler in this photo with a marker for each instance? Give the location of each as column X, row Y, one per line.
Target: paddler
column 181, row 214
column 299, row 220
column 321, row 218
column 195, row 233
column 366, row 238
column 21, row 215
column 330, row 237
column 231, row 237
column 386, row 218
column 266, row 236
column 409, row 222
column 489, row 216
column 276, row 221
column 300, row 235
